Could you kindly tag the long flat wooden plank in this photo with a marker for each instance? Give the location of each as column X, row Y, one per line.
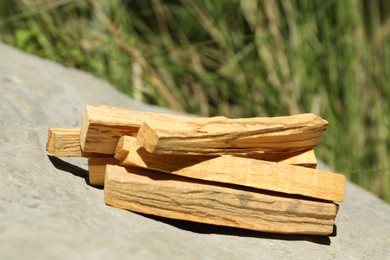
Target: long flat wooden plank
column 229, row 136
column 103, row 125
column 176, row 197
column 238, row 170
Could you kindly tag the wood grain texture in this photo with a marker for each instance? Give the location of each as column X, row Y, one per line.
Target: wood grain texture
column 64, row 142
column 306, row 158
column 97, row 169
column 229, row 136
column 103, row 125
column 175, row 197
column 128, row 144
column 238, row 170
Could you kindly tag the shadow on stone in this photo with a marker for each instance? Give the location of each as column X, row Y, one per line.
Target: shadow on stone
column 202, row 228
column 68, row 167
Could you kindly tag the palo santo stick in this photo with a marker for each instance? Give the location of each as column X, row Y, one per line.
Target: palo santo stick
column 301, row 158
column 128, row 144
column 238, row 170
column 103, row 125
column 229, row 136
column 64, row 142
column 96, row 166
column 176, row 197
column 97, row 169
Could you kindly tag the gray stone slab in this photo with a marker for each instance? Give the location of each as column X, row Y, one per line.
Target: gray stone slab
column 47, row 210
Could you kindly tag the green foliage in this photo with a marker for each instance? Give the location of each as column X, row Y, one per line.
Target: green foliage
column 234, row 58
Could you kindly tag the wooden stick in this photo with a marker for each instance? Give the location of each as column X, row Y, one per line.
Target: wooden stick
column 193, row 200
column 229, row 136
column 305, row 158
column 65, row 142
column 97, row 169
column 238, row 170
column 96, row 165
column 128, row 144
column 104, row 125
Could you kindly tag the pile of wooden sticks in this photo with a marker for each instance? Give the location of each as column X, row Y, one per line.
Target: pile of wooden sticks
column 253, row 173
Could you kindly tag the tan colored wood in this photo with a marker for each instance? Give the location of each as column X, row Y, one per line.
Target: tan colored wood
column 104, row 125
column 229, row 136
column 176, row 197
column 97, row 169
column 97, row 165
column 305, row 158
column 128, row 144
column 64, row 142
column 238, row 170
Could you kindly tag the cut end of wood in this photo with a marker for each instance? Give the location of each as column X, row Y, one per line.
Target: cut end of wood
column 331, row 188
column 97, row 169
column 147, row 138
column 84, row 129
column 120, row 151
column 50, row 141
column 342, row 188
column 64, row 142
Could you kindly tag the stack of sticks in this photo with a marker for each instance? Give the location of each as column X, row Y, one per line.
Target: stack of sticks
column 253, row 173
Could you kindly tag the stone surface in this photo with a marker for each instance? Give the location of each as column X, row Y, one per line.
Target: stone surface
column 48, row 211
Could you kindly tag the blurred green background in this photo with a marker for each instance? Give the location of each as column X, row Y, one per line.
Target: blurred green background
column 234, row 58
